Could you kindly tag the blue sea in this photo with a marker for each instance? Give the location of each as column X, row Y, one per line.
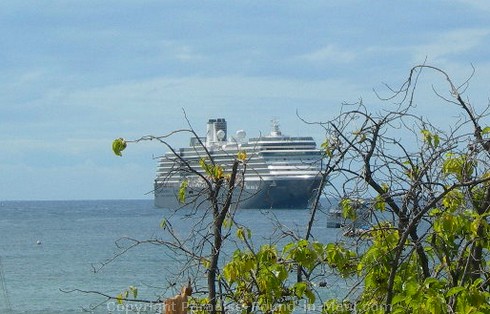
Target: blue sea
column 48, row 248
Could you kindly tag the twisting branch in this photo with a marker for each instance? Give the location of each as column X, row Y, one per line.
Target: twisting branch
column 110, row 297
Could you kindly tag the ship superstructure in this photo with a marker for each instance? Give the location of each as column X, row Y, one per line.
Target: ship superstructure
column 281, row 171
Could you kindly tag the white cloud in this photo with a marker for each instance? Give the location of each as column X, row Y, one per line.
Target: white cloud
column 154, row 106
column 201, row 88
column 451, row 44
column 436, row 46
column 179, row 51
column 478, row 4
column 330, row 53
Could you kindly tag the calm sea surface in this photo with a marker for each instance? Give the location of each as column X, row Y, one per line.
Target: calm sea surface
column 74, row 235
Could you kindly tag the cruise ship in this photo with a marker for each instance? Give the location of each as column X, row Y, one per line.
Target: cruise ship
column 279, row 172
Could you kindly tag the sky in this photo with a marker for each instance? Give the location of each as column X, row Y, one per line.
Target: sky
column 77, row 74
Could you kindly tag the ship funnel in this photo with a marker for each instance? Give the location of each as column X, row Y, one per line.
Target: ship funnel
column 216, row 131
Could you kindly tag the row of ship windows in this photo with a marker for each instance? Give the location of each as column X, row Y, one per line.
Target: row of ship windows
column 285, row 138
column 283, row 163
column 268, row 154
column 286, row 147
column 253, row 170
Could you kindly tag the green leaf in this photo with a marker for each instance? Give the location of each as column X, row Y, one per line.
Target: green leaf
column 134, row 291
column 205, row 262
column 379, row 203
column 240, row 234
column 327, row 147
column 411, row 288
column 217, row 172
column 118, row 145
column 300, row 289
column 435, row 212
column 427, row 136
column 206, row 167
column 430, row 138
column 398, row 298
column 458, row 165
column 385, row 187
column 486, row 130
column 453, row 200
column 348, row 210
column 183, row 190
column 436, row 140
column 310, row 295
column 163, row 223
column 227, row 223
column 214, row 171
column 242, row 155
column 362, row 138
column 454, row 290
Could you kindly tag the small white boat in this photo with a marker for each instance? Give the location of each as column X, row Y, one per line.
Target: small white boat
column 336, row 219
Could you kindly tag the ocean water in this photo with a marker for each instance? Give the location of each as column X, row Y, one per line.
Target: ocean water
column 50, row 247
